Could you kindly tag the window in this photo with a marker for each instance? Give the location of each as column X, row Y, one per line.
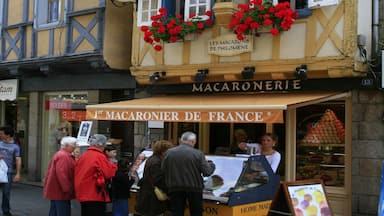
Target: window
column 148, row 8
column 301, row 7
column 47, row 13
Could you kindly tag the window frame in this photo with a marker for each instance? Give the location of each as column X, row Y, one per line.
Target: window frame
column 173, row 7
column 42, row 14
column 140, row 21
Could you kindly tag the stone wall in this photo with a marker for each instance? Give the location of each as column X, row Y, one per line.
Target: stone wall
column 367, row 150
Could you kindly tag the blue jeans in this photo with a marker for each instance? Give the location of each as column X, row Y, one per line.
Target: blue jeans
column 60, row 208
column 178, row 203
column 6, row 188
column 120, row 207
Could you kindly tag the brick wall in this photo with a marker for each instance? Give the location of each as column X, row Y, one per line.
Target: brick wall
column 367, row 150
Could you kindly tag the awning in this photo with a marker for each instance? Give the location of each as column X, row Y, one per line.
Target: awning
column 235, row 108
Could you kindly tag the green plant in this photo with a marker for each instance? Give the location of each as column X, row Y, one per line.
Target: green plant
column 173, row 28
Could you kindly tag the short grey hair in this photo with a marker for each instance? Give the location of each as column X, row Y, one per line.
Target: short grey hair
column 98, row 140
column 187, row 136
column 68, row 140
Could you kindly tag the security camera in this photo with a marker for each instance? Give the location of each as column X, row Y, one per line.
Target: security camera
column 301, row 72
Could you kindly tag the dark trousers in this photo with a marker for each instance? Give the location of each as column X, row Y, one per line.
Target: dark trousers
column 178, row 203
column 60, row 208
column 93, row 208
column 6, row 189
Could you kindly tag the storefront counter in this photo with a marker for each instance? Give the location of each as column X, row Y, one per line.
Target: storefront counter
column 239, row 186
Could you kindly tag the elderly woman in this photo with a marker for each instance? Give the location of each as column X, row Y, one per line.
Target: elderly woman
column 153, row 176
column 92, row 170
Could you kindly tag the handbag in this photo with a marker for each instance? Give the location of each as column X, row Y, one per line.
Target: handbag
column 3, row 172
column 160, row 194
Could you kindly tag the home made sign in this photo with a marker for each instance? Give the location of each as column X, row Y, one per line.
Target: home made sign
column 229, row 45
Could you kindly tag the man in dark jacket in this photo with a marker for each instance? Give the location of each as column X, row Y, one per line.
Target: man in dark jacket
column 183, row 168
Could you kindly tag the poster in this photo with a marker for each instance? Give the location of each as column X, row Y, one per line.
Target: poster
column 84, row 131
column 380, row 211
column 308, row 199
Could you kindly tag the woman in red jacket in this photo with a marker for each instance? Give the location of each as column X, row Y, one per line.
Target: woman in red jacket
column 91, row 171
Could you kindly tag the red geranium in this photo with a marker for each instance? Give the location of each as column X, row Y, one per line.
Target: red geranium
column 257, row 14
column 172, row 29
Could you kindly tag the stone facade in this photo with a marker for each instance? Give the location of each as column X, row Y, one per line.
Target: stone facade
column 367, row 150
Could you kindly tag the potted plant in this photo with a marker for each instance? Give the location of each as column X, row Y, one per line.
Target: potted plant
column 172, row 29
column 258, row 15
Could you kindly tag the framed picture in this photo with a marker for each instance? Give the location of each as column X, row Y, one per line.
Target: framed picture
column 308, row 198
column 84, row 131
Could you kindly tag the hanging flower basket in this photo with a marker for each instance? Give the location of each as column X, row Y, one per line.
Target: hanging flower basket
column 172, row 29
column 258, row 15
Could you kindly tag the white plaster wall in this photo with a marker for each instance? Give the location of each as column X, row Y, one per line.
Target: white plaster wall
column 364, row 22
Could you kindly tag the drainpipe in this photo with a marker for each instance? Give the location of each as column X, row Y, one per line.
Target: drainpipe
column 375, row 29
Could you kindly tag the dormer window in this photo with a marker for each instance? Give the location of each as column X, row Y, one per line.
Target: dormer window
column 148, row 8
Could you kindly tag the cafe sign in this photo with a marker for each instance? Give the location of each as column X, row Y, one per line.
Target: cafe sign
column 227, row 116
column 229, row 45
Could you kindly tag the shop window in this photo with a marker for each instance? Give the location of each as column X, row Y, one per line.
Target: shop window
column 320, row 143
column 47, row 13
column 148, row 8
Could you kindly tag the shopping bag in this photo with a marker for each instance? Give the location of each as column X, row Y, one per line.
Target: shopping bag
column 160, row 194
column 3, row 172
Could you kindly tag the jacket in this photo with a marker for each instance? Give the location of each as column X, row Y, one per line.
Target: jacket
column 121, row 185
column 153, row 176
column 183, row 168
column 59, row 179
column 92, row 170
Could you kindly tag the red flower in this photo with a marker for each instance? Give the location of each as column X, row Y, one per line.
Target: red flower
column 172, row 28
column 144, row 28
column 274, row 31
column 260, row 13
column 158, row 47
column 192, row 15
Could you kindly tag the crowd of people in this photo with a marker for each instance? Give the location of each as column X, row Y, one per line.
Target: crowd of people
column 96, row 177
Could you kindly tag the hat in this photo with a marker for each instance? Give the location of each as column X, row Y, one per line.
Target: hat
column 97, row 140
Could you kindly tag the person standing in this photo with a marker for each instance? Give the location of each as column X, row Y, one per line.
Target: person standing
column 92, row 170
column 121, row 187
column 10, row 152
column 153, row 176
column 59, row 179
column 183, row 168
column 268, row 144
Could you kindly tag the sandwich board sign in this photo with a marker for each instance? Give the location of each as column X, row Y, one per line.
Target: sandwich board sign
column 298, row 198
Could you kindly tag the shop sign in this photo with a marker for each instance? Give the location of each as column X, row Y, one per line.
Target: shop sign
column 247, row 86
column 229, row 45
column 58, row 105
column 233, row 116
column 8, row 89
column 70, row 115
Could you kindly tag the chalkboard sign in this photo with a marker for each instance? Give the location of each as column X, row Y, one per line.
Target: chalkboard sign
column 301, row 198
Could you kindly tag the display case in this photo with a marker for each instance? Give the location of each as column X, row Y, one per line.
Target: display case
column 244, row 184
column 321, row 151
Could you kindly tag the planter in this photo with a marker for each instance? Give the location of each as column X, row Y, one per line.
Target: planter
column 190, row 37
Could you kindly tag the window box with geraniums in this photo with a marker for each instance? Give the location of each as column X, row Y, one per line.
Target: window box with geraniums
column 258, row 15
column 173, row 28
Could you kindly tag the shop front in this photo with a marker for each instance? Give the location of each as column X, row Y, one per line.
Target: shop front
column 314, row 129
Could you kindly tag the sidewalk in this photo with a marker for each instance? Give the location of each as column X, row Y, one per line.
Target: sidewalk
column 27, row 200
